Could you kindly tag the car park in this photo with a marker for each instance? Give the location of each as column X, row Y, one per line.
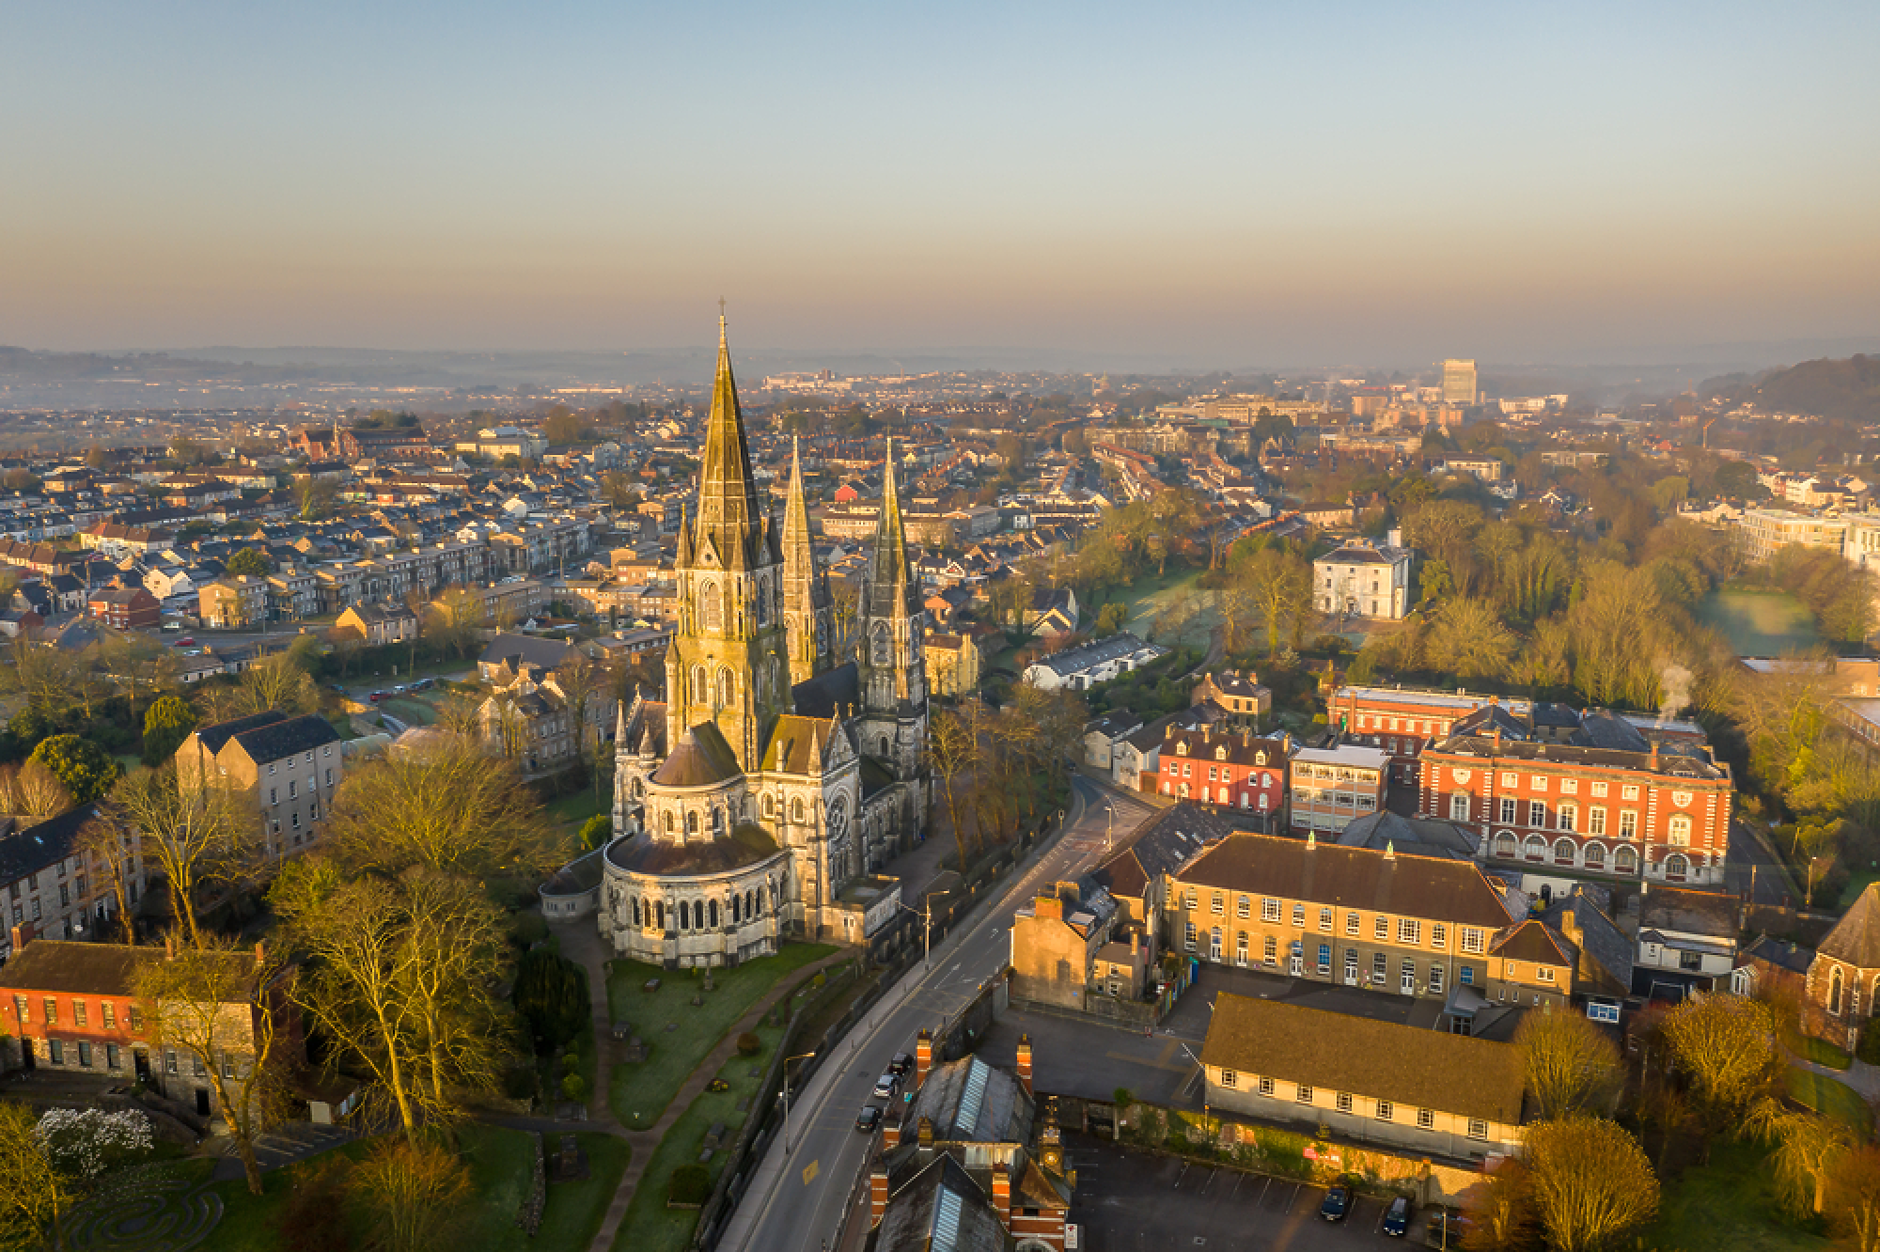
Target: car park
column 1337, row 1205
column 1397, row 1217
column 886, row 1086
column 868, row 1118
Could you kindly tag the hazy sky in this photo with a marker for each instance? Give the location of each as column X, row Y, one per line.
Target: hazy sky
column 1246, row 184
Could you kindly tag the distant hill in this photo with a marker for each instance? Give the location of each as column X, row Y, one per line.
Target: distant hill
column 1844, row 390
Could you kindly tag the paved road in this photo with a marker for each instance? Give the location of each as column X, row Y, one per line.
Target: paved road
column 796, row 1201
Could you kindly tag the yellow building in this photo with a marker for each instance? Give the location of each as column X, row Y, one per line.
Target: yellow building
column 952, row 664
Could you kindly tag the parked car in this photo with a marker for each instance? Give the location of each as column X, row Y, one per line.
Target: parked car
column 376, row 696
column 1337, row 1204
column 868, row 1118
column 399, row 690
column 186, row 641
column 1397, row 1217
column 900, row 1065
column 886, row 1086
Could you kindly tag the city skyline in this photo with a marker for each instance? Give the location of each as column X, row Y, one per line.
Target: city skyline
column 1220, row 187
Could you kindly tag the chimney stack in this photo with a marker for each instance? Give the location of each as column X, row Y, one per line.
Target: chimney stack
column 20, row 939
column 890, row 1132
column 1024, row 1063
column 925, row 1132
column 877, row 1194
column 923, row 1059
column 1048, row 905
column 1002, row 1195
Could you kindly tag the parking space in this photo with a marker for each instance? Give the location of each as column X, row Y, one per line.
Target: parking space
column 1129, row 1201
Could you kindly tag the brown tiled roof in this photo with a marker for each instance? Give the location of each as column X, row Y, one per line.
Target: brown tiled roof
column 1359, row 878
column 1530, row 941
column 701, row 758
column 1411, row 1067
column 82, row 968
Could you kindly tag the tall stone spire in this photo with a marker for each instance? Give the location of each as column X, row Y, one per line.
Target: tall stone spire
column 728, row 515
column 805, row 586
column 892, row 726
column 890, row 561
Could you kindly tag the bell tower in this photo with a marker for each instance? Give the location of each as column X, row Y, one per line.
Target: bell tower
column 893, row 721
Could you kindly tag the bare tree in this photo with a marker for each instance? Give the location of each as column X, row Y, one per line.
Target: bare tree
column 111, row 849
column 1571, row 1066
column 951, row 750
column 32, row 790
column 418, row 1195
column 1727, row 1045
column 1592, row 1183
column 215, row 1000
column 43, row 674
column 197, row 837
column 34, row 1193
column 1853, row 1199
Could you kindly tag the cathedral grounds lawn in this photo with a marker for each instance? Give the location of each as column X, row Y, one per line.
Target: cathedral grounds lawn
column 652, row 1227
column 639, row 1093
column 1733, row 1193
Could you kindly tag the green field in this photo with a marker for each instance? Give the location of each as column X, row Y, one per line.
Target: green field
column 1732, row 1193
column 1148, row 597
column 1759, row 623
column 639, row 1093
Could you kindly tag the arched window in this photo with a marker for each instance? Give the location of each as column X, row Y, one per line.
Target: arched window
column 636, row 910
column 1676, row 867
column 1535, row 848
column 718, row 822
column 639, row 788
column 1625, row 861
column 878, row 644
column 1563, row 851
column 1595, row 856
column 727, row 686
column 698, row 684
column 712, row 909
column 711, row 606
column 796, row 809
column 763, row 601
column 669, row 822
column 884, row 747
column 752, row 902
column 770, row 806
column 1504, row 843
column 691, row 825
column 734, row 910
column 1678, row 832
column 661, row 907
column 1834, row 991
column 685, row 915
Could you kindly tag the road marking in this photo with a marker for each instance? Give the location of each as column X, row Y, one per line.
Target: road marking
column 810, row 1171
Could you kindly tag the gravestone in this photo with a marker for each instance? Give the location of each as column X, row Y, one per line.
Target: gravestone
column 650, row 985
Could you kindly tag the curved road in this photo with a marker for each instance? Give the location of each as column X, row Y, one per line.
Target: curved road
column 796, row 1201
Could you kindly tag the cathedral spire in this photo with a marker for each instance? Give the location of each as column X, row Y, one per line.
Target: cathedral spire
column 805, row 587
column 727, row 494
column 890, row 532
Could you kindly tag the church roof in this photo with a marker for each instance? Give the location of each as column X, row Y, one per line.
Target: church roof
column 748, row 844
column 1855, row 939
column 701, row 758
column 831, row 693
column 797, row 743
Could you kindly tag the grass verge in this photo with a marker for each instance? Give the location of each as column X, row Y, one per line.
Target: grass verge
column 1829, row 1098
column 640, row 1093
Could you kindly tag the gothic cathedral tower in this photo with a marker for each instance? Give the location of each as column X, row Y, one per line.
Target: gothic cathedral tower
column 892, row 726
column 726, row 661
column 805, row 586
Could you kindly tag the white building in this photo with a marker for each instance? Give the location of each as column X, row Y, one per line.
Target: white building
column 1330, row 788
column 1364, row 579
column 1093, row 663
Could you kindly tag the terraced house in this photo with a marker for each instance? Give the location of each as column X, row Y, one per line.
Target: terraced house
column 1229, row 769
column 1412, row 925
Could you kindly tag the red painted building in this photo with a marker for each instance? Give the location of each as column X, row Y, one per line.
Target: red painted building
column 1656, row 814
column 125, row 609
column 1230, row 769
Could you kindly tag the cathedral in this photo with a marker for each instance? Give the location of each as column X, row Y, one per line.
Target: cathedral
column 758, row 800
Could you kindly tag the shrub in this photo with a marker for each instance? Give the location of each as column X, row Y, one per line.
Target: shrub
column 551, row 997
column 86, row 769
column 87, row 1141
column 596, row 831
column 167, row 722
column 313, row 1215
column 573, row 1087
column 520, row 1082
column 570, row 1062
column 749, row 1044
column 691, row 1186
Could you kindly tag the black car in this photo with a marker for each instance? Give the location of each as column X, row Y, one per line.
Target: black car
column 868, row 1118
column 901, row 1064
column 1397, row 1217
column 1337, row 1204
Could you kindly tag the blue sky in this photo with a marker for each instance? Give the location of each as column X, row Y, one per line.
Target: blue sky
column 1242, row 184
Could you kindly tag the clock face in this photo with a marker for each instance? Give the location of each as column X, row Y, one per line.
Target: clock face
column 1051, row 1159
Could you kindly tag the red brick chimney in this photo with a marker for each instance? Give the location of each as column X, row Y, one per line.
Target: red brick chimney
column 923, row 1056
column 877, row 1194
column 1024, row 1062
column 1002, row 1195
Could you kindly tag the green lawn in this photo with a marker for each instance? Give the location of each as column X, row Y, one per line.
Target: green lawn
column 640, row 1093
column 1820, row 1051
column 652, row 1227
column 1731, row 1194
column 501, row 1165
column 1148, row 596
column 1826, row 1096
column 1759, row 623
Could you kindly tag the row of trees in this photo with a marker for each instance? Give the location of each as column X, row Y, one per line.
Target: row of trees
column 998, row 768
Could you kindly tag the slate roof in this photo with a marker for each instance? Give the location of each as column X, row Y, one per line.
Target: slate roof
column 1414, row 886
column 31, row 848
column 212, row 738
column 1161, row 845
column 86, row 968
column 1781, row 953
column 286, row 738
column 939, row 1209
column 1089, row 655
column 1411, row 1067
column 1599, row 937
column 1855, row 939
column 1599, row 729
column 701, row 758
column 969, row 1101
column 1418, row 836
column 1688, row 912
column 525, row 650
column 796, row 744
column 832, row 693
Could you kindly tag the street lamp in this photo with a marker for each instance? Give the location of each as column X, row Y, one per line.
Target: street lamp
column 1109, row 840
column 786, row 1096
column 925, row 913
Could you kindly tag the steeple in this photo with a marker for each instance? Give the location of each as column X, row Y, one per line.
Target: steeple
column 805, row 586
column 728, row 515
column 890, row 533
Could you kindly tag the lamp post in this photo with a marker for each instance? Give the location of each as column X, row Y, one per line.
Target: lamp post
column 786, row 1096
column 1109, row 840
column 925, row 913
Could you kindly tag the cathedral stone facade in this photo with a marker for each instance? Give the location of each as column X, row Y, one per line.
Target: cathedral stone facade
column 759, row 799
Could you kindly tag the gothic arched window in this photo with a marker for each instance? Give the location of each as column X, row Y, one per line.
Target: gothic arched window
column 636, row 910
column 734, row 910
column 727, row 684
column 879, row 644
column 711, row 606
column 698, row 684
column 796, row 809
column 713, row 907
column 661, row 906
column 884, row 746
column 770, row 808
column 669, row 823
column 691, row 825
column 718, row 822
column 1834, row 991
column 763, row 601
column 685, row 915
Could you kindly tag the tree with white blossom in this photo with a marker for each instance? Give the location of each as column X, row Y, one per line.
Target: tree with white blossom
column 82, row 1143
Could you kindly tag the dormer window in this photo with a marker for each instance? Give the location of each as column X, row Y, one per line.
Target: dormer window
column 1259, row 758
column 1220, row 754
column 1181, row 749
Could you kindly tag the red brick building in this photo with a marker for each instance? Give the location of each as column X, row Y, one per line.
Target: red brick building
column 125, row 608
column 1224, row 768
column 1656, row 814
